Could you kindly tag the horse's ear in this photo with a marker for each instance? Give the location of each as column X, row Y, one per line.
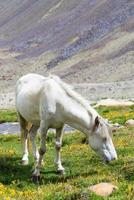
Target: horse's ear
column 97, row 121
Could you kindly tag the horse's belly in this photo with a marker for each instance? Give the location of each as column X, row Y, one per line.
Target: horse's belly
column 55, row 123
column 56, row 120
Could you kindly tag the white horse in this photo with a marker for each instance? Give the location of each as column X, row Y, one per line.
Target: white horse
column 48, row 102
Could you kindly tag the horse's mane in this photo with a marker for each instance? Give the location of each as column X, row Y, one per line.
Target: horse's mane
column 74, row 95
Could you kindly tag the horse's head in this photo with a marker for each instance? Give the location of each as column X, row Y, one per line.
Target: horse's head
column 100, row 140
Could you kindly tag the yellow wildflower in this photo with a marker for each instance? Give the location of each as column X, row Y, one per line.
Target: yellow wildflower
column 7, row 198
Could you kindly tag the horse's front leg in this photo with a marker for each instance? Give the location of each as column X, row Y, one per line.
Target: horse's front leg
column 58, row 144
column 42, row 150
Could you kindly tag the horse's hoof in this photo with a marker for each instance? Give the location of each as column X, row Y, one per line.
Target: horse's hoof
column 35, row 178
column 24, row 162
column 61, row 171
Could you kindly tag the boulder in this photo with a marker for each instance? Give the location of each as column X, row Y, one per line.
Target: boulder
column 130, row 122
column 103, row 189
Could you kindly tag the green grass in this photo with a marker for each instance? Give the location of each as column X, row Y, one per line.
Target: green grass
column 8, row 116
column 117, row 114
column 83, row 168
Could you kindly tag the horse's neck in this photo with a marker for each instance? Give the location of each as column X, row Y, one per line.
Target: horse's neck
column 80, row 118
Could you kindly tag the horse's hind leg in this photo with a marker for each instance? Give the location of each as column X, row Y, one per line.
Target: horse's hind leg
column 58, row 144
column 24, row 138
column 42, row 150
column 33, row 133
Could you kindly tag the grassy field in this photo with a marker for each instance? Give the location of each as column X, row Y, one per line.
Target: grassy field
column 83, row 167
column 8, row 116
column 117, row 114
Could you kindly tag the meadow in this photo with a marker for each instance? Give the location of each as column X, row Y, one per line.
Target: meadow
column 83, row 167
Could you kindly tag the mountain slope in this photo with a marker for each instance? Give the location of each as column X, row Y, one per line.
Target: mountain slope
column 82, row 41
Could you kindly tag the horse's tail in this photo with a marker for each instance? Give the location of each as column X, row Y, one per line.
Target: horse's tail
column 25, row 129
column 69, row 90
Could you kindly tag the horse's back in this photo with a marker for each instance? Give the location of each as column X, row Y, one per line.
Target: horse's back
column 29, row 81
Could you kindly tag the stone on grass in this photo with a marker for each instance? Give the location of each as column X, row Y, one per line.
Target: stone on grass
column 130, row 122
column 103, row 189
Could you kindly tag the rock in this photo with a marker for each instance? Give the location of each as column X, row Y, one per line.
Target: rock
column 103, row 189
column 130, row 122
